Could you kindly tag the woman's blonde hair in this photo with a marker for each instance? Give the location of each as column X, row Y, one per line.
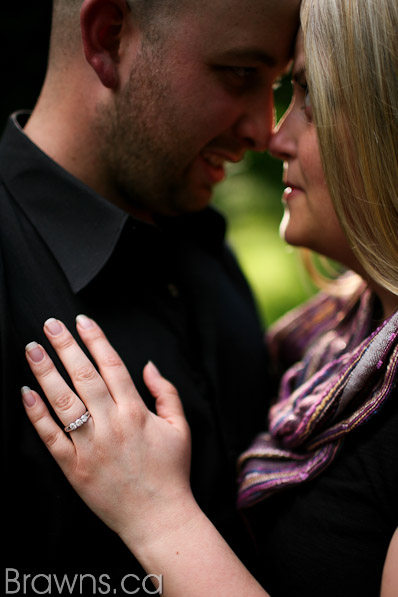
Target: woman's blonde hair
column 351, row 55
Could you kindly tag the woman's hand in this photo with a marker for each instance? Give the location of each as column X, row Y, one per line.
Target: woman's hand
column 129, row 465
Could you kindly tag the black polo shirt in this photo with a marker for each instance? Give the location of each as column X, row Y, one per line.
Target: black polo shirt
column 171, row 293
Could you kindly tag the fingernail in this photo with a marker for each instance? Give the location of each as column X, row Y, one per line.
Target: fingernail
column 35, row 352
column 53, row 326
column 155, row 370
column 84, row 322
column 28, row 396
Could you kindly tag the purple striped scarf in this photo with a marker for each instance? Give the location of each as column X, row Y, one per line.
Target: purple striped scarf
column 341, row 378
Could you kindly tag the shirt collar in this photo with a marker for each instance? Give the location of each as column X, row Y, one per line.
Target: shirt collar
column 86, row 228
column 80, row 227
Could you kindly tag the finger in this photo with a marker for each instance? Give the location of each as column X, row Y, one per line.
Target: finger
column 113, row 370
column 67, row 406
column 61, row 448
column 85, row 378
column 168, row 402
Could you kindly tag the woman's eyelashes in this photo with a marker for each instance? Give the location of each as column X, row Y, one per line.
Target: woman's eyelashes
column 305, row 97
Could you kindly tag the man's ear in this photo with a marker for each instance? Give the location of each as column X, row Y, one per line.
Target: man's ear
column 101, row 24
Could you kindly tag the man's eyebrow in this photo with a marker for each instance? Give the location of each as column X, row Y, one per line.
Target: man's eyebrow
column 250, row 54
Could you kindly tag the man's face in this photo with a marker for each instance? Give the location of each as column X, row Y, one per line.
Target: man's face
column 196, row 100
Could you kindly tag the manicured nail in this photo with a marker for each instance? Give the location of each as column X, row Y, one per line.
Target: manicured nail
column 84, row 322
column 154, row 369
column 53, row 326
column 35, row 352
column 28, row 396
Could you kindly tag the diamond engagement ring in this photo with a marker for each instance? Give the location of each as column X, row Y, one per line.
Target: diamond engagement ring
column 78, row 423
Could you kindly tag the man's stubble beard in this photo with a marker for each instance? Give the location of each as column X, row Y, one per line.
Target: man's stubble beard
column 139, row 141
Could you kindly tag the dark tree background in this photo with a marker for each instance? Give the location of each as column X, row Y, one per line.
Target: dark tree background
column 25, row 28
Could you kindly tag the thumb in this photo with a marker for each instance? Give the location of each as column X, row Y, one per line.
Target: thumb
column 168, row 402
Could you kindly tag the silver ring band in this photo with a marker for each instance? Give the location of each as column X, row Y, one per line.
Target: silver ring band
column 78, row 423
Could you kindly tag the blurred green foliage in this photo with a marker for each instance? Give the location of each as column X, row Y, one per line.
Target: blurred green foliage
column 251, row 201
column 250, row 198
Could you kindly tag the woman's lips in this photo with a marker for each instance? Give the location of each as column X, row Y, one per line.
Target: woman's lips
column 291, row 192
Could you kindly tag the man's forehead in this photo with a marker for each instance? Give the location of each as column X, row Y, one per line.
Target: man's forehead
column 257, row 29
column 245, row 14
column 250, row 53
column 264, row 53
column 253, row 7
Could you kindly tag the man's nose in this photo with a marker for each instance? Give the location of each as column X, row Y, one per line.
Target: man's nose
column 255, row 124
column 281, row 142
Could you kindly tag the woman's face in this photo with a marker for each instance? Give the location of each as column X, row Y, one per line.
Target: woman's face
column 309, row 219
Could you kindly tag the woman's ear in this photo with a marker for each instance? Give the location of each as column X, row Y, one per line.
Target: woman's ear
column 101, row 24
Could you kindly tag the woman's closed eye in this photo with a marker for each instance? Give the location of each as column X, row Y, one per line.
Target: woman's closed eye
column 307, row 106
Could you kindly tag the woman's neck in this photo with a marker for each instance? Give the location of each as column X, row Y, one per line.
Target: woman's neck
column 388, row 300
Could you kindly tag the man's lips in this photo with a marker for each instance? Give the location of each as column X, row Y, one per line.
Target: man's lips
column 214, row 164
